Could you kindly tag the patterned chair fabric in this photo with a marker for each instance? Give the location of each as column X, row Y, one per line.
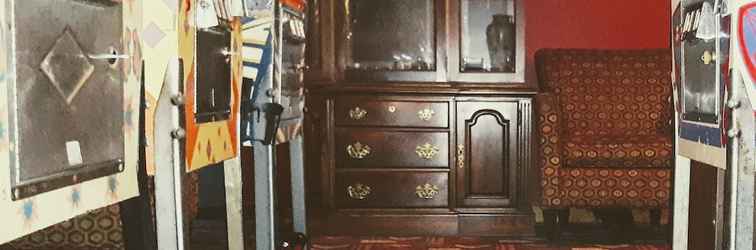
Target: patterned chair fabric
column 605, row 122
column 101, row 228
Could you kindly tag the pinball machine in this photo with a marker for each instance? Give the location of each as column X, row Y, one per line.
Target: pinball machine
column 726, row 54
column 272, row 109
column 192, row 83
column 742, row 105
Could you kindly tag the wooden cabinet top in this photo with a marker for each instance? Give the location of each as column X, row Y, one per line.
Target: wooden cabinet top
column 449, row 88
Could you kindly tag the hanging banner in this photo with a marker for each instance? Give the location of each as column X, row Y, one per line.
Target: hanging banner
column 207, row 41
column 159, row 46
column 211, row 74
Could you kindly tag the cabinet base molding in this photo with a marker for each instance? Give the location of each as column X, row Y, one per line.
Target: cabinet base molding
column 496, row 225
column 519, row 225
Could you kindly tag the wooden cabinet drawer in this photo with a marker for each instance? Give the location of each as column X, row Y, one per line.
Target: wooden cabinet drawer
column 359, row 111
column 397, row 189
column 365, row 148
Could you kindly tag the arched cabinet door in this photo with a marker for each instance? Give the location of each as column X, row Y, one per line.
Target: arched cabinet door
column 492, row 148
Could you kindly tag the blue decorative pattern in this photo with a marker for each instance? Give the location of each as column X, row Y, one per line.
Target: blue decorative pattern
column 75, row 197
column 28, row 210
column 2, row 130
column 128, row 116
column 251, row 88
column 702, row 134
column 257, row 5
column 265, row 59
column 112, row 184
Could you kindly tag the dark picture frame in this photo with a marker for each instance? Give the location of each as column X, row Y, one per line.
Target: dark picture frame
column 703, row 70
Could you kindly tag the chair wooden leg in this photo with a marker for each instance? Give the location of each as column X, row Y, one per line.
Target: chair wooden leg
column 655, row 217
column 554, row 221
column 618, row 222
column 549, row 223
column 563, row 221
column 563, row 217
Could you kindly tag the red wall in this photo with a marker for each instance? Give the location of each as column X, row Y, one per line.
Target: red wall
column 595, row 24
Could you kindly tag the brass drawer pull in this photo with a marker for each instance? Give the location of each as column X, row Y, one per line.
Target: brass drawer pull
column 391, row 108
column 426, row 151
column 426, row 191
column 359, row 191
column 357, row 113
column 425, row 114
column 358, row 151
column 461, row 155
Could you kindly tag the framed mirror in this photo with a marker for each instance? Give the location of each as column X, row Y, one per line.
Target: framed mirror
column 69, row 119
column 69, row 94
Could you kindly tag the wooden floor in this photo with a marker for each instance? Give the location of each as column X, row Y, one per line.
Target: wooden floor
column 323, row 243
column 207, row 234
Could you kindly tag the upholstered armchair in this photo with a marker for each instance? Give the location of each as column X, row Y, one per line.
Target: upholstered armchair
column 605, row 131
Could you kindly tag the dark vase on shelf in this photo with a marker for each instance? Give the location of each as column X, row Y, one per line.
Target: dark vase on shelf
column 500, row 37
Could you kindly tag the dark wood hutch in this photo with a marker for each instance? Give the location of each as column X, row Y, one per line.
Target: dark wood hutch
column 419, row 118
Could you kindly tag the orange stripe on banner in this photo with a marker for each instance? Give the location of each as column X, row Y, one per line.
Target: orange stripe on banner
column 295, row 4
column 235, row 84
column 189, row 122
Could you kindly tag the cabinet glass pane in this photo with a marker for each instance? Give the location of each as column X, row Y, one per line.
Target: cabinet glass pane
column 389, row 35
column 487, row 36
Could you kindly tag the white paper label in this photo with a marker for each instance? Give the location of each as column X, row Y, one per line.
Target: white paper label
column 73, row 150
column 206, row 15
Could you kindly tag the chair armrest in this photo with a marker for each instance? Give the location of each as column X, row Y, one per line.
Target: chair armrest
column 549, row 158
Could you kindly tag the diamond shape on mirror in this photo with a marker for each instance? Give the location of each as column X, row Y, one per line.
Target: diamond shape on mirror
column 172, row 4
column 67, row 66
column 152, row 35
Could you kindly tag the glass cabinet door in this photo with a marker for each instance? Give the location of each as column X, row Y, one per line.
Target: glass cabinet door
column 487, row 40
column 388, row 39
column 314, row 60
